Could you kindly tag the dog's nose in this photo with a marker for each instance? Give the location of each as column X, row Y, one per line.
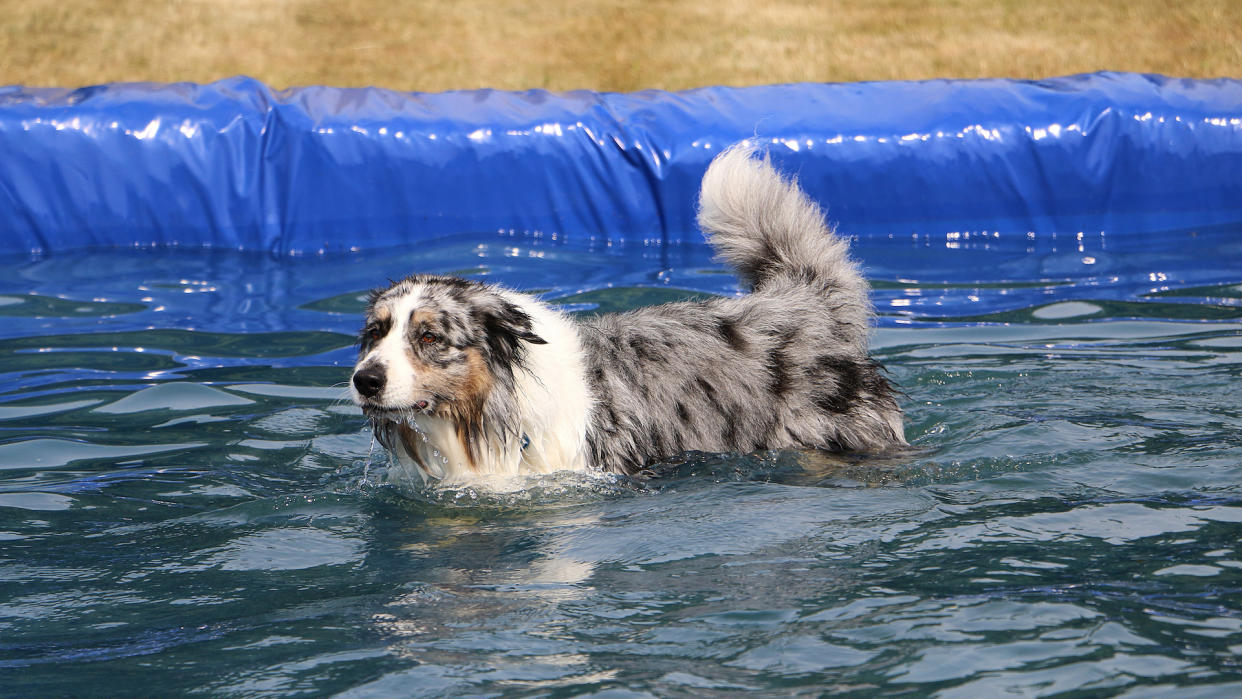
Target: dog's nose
column 369, row 382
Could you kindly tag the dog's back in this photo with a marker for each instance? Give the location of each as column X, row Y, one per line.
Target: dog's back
column 785, row 366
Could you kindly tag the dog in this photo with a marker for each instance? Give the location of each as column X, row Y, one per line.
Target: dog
column 466, row 380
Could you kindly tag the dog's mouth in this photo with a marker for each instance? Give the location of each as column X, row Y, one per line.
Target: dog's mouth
column 401, row 414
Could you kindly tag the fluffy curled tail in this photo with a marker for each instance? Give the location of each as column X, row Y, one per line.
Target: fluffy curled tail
column 768, row 229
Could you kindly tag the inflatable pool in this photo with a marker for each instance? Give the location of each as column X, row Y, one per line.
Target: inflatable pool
column 235, row 164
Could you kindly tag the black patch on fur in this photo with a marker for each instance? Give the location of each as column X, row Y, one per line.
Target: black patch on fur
column 710, row 394
column 761, row 265
column 808, row 276
column 729, row 433
column 778, row 367
column 364, row 338
column 849, row 377
column 683, row 413
column 461, row 290
column 728, row 332
column 644, row 350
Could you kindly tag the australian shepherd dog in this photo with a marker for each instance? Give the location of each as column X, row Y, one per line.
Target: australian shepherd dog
column 467, row 381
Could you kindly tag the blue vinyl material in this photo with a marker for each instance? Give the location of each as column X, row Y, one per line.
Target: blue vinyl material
column 235, row 164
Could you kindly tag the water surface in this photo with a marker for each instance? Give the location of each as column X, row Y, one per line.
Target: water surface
column 188, row 504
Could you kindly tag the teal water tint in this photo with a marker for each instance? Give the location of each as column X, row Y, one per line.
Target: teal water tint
column 188, row 503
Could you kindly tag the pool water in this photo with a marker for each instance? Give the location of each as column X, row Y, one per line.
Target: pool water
column 188, row 503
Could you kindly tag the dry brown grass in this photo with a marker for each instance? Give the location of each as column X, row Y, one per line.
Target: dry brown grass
column 607, row 44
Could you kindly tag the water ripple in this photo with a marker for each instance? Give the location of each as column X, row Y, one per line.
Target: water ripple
column 187, row 495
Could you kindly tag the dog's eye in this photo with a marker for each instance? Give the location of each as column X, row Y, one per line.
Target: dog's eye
column 374, row 334
column 428, row 338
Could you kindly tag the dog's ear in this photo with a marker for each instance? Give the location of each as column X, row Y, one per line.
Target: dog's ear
column 508, row 318
column 532, row 338
column 506, row 325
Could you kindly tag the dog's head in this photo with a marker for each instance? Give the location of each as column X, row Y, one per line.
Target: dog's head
column 438, row 346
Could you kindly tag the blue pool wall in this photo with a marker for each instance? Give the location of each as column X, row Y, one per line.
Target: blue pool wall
column 235, row 164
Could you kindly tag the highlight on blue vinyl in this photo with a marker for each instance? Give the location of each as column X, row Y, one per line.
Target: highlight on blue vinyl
column 235, row 164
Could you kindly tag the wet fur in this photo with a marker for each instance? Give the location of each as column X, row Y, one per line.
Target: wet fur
column 521, row 388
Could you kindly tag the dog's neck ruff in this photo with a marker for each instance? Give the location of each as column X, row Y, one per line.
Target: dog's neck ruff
column 431, row 447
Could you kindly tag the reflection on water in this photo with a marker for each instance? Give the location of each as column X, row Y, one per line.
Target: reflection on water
column 187, row 495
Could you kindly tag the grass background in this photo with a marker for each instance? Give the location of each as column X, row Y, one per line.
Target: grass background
column 607, row 44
